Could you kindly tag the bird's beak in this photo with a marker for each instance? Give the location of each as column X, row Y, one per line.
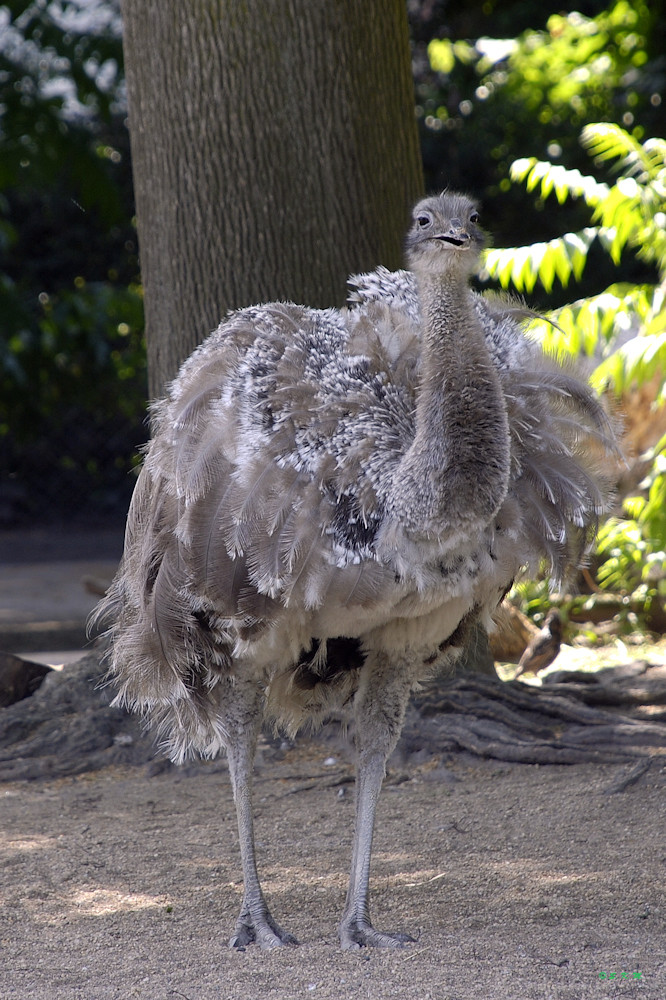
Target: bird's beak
column 457, row 237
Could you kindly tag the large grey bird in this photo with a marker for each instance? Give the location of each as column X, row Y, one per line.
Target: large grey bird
column 331, row 500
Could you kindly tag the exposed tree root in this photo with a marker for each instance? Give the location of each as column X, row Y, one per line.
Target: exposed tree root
column 614, row 716
column 609, row 716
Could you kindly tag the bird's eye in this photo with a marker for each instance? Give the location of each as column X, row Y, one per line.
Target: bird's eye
column 474, row 217
column 423, row 221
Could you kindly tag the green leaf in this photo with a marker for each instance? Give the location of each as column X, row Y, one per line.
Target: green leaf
column 441, row 55
column 554, row 177
column 522, row 267
column 607, row 141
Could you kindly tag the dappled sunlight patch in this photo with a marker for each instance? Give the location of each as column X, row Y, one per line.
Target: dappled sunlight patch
column 561, row 879
column 308, row 877
column 102, row 902
column 25, row 844
column 276, row 880
column 534, row 869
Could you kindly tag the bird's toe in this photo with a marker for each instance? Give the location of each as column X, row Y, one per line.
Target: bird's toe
column 266, row 933
column 269, row 939
column 354, row 935
column 243, row 936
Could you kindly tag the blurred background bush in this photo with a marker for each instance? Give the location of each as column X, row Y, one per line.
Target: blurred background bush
column 72, row 358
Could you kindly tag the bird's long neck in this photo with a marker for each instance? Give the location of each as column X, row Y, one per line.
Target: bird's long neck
column 454, row 477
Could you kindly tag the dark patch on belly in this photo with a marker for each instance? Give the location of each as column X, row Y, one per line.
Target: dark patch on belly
column 350, row 527
column 342, row 655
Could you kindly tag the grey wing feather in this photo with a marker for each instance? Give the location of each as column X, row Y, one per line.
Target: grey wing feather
column 561, row 436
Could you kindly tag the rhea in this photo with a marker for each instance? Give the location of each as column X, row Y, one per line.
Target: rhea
column 331, row 500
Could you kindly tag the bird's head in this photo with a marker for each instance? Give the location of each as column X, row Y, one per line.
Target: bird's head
column 444, row 235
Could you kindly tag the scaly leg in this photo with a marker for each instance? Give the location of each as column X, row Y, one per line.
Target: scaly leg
column 255, row 922
column 379, row 712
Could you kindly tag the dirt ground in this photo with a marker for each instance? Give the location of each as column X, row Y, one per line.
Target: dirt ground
column 519, row 881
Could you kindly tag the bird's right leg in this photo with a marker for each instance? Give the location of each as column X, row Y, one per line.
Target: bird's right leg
column 245, row 712
column 379, row 711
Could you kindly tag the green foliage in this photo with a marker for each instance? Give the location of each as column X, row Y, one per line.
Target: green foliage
column 72, row 358
column 622, row 328
column 522, row 267
column 632, row 211
column 491, row 101
column 575, row 70
column 87, row 340
column 60, row 89
column 72, row 399
column 575, row 66
column 633, row 548
column 629, row 215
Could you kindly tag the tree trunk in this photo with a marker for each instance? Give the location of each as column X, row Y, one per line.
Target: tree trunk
column 274, row 150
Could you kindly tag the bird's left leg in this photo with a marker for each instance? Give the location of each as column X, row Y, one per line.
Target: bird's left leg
column 243, row 722
column 379, row 712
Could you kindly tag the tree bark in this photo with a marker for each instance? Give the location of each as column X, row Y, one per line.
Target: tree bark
column 274, row 151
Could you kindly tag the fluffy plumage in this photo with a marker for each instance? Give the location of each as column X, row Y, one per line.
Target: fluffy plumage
column 330, row 500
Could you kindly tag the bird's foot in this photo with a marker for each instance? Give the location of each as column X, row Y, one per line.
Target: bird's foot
column 263, row 931
column 361, row 934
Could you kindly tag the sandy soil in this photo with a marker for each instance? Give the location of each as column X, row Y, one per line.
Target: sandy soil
column 522, row 882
